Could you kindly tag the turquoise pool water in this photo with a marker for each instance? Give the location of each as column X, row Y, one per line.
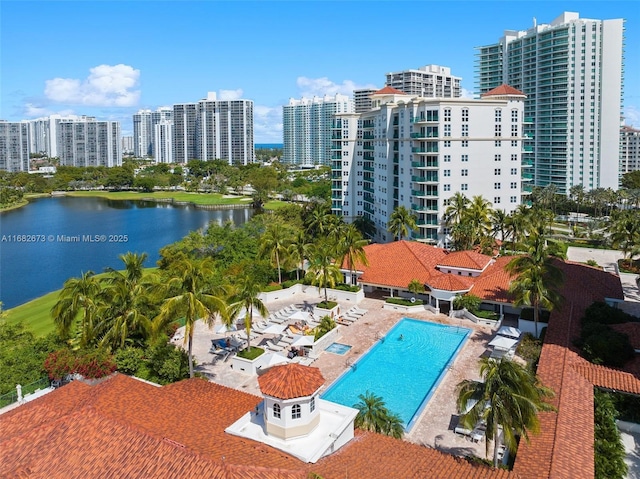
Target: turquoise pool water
column 403, row 368
column 338, row 348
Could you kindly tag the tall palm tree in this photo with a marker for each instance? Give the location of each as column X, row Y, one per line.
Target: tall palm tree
column 78, row 294
column 577, row 194
column 401, row 222
column 192, row 297
column 246, row 296
column 509, row 397
column 274, row 243
column 517, row 224
column 457, row 205
column 350, row 247
column 366, row 227
column 374, row 416
column 298, row 251
column 322, row 267
column 499, row 222
column 318, row 219
column 625, row 231
column 128, row 301
column 478, row 214
column 538, row 280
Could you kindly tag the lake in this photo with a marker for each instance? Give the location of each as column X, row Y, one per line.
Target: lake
column 52, row 239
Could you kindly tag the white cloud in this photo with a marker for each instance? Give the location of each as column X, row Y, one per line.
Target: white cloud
column 106, row 85
column 34, row 111
column 632, row 116
column 267, row 124
column 464, row 93
column 310, row 87
column 231, row 94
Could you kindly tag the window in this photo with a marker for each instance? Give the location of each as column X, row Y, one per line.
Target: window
column 496, row 186
column 496, row 200
column 276, row 410
column 498, row 130
column 447, row 130
column 514, row 143
column 514, row 130
column 465, row 114
column 465, row 130
column 447, row 158
column 514, row 199
column 514, row 115
column 447, row 172
column 497, row 157
column 497, row 171
column 464, row 158
column 464, row 173
column 498, row 115
column 464, row 187
column 446, row 143
column 514, row 157
column 312, row 404
column 296, row 411
column 497, row 143
column 446, row 187
column 464, row 143
column 447, row 114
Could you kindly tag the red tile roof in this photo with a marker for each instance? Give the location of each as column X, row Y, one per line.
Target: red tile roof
column 389, row 91
column 289, row 381
column 608, row 378
column 493, row 283
column 466, row 259
column 450, row 282
column 503, row 90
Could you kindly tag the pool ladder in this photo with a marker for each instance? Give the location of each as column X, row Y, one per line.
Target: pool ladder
column 379, row 336
column 350, row 363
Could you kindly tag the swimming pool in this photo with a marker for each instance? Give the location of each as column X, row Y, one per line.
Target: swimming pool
column 338, row 348
column 403, row 368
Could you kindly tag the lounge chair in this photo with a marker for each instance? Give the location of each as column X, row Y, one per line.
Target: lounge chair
column 273, row 347
column 462, row 431
column 285, row 340
column 344, row 322
column 360, row 310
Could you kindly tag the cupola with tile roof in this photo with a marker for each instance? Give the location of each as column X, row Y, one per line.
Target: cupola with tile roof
column 290, row 399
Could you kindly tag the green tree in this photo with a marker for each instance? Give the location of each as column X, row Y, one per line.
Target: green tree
column 455, row 211
column 326, row 324
column 192, row 298
column 79, row 296
column 609, row 451
column 323, row 271
column 263, row 181
column 366, row 227
column 499, row 222
column 625, row 231
column 246, row 296
column 298, row 251
column 631, row 180
column 350, row 248
column 401, row 222
column 373, row 415
column 538, row 280
column 274, row 243
column 416, row 287
column 576, row 192
column 508, row 397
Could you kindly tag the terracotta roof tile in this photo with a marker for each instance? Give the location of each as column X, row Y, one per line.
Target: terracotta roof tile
column 389, row 91
column 503, row 90
column 466, row 259
column 608, row 378
column 289, row 381
column 493, row 283
column 450, row 282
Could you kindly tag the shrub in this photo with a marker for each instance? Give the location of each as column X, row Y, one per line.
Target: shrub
column 326, row 324
column 327, row 304
column 250, row 353
column 602, row 345
column 347, row 287
column 402, row 302
column 602, row 313
column 291, row 282
column 529, row 349
column 271, row 287
column 609, row 449
column 484, row 314
column 91, row 364
column 592, row 262
column 129, row 360
column 59, row 364
column 468, row 301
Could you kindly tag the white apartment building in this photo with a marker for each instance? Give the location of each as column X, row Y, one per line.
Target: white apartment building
column 163, row 141
column 362, row 99
column 306, row 128
column 127, row 144
column 85, row 141
column 14, row 146
column 214, row 129
column 430, row 81
column 418, row 152
column 629, row 149
column 572, row 73
column 144, row 123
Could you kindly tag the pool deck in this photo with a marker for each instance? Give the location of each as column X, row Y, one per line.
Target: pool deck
column 436, row 423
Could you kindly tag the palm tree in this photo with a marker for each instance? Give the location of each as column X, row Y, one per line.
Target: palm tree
column 416, row 287
column 499, row 221
column 326, row 324
column 538, row 279
column 478, row 214
column 374, row 416
column 517, row 224
column 298, row 251
column 246, row 296
column 322, row 268
column 455, row 211
column 366, row 227
column 78, row 294
column 350, row 247
column 400, row 222
column 509, row 397
column 274, row 242
column 625, row 231
column 317, row 219
column 577, row 194
column 128, row 300
column 193, row 298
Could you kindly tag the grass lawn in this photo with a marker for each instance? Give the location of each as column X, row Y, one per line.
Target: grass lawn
column 35, row 314
column 195, row 198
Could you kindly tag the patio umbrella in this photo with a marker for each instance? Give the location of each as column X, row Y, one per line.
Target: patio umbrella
column 300, row 316
column 509, row 331
column 303, row 340
column 223, row 328
column 501, row 342
column 275, row 329
column 273, row 359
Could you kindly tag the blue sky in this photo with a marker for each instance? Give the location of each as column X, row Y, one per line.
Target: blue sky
column 111, row 58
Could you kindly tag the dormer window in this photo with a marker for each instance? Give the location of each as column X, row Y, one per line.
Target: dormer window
column 276, row 410
column 296, row 411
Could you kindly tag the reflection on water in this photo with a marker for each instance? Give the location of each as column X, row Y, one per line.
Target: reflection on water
column 52, row 239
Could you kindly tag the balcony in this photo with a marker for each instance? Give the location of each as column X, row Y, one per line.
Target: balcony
column 367, row 188
column 336, row 136
column 368, row 208
column 368, row 147
column 367, row 124
column 528, row 119
column 527, row 149
column 368, row 136
column 425, row 179
column 431, row 149
column 336, row 156
column 368, row 157
column 424, row 164
column 424, row 194
column 336, row 196
column 368, row 168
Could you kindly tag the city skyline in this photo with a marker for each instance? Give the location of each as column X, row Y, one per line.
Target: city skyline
column 120, row 57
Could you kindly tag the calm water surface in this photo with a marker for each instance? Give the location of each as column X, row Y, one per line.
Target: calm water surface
column 52, row 239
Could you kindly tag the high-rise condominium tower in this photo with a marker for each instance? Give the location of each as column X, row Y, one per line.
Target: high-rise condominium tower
column 629, row 149
column 571, row 72
column 214, row 129
column 14, row 146
column 430, row 81
column 144, row 127
column 306, row 128
column 85, row 141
